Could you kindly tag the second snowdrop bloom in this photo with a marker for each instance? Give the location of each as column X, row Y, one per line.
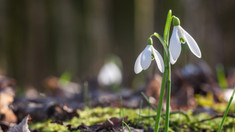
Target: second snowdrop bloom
column 179, row 35
column 144, row 59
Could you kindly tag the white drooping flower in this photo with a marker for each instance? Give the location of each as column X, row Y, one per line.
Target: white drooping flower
column 144, row 59
column 110, row 74
column 179, row 35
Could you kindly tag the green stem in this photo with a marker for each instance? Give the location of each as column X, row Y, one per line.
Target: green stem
column 161, row 40
column 159, row 108
column 167, row 71
column 221, row 76
column 150, row 104
column 121, row 112
column 141, row 103
column 171, row 113
column 167, row 26
column 129, row 129
column 85, row 96
column 168, row 98
column 166, row 39
column 226, row 111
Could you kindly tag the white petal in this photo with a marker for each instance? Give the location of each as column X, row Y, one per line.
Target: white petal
column 146, row 57
column 175, row 46
column 192, row 44
column 138, row 68
column 158, row 59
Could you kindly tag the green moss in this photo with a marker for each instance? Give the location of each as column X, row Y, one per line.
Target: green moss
column 49, row 127
column 91, row 116
column 207, row 101
column 178, row 122
column 98, row 115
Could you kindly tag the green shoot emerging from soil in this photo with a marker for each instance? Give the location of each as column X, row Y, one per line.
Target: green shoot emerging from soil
column 221, row 76
column 226, row 111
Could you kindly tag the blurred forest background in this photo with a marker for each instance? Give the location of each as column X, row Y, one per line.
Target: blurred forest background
column 39, row 38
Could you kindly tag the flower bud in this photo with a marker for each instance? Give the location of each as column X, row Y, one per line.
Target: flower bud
column 176, row 21
column 150, row 41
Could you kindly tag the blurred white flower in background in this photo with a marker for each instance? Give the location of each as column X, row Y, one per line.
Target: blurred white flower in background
column 227, row 95
column 110, row 73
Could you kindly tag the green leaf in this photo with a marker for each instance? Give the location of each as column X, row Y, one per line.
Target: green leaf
column 167, row 26
column 126, row 126
column 65, row 78
column 226, row 111
column 221, row 76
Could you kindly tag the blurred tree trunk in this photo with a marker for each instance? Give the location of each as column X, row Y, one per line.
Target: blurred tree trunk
column 99, row 34
column 193, row 23
column 3, row 36
column 123, row 35
column 66, row 42
column 16, row 39
column 41, row 38
column 144, row 23
column 36, row 53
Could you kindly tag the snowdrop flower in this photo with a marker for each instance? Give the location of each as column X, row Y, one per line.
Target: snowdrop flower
column 179, row 35
column 110, row 74
column 144, row 59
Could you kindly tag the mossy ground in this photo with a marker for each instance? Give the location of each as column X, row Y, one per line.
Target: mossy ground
column 178, row 121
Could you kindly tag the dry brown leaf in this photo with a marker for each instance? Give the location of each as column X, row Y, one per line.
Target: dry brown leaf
column 112, row 123
column 7, row 98
column 154, row 86
column 22, row 126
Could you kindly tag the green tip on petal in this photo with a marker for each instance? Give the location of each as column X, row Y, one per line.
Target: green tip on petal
column 152, row 56
column 176, row 21
column 182, row 40
column 150, row 41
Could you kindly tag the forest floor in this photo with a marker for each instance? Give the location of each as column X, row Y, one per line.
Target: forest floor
column 197, row 105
